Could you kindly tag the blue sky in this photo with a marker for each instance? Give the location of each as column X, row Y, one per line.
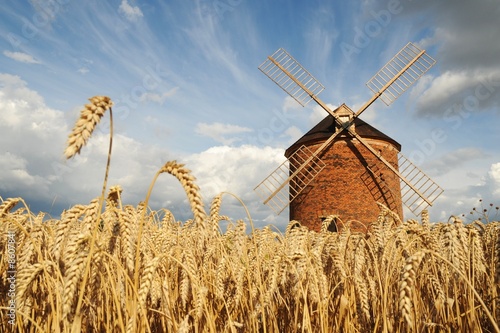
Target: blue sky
column 184, row 80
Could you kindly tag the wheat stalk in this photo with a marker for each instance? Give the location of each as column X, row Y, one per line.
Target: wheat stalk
column 90, row 116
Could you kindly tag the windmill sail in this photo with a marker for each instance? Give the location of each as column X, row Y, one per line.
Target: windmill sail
column 418, row 190
column 419, row 193
column 428, row 190
column 279, row 188
column 411, row 62
column 287, row 73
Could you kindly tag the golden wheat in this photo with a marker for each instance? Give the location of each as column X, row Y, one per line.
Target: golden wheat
column 301, row 280
column 406, row 284
column 76, row 254
column 90, row 116
column 192, row 190
column 7, row 205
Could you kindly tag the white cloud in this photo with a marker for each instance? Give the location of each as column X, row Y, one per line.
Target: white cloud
column 132, row 13
column 469, row 89
column 294, row 133
column 454, row 160
column 14, row 171
column 219, row 132
column 494, row 176
column 461, row 198
column 467, row 39
column 289, row 103
column 23, row 108
column 319, row 113
column 21, row 57
column 15, row 88
column 158, row 98
column 237, row 170
column 83, row 70
column 32, row 137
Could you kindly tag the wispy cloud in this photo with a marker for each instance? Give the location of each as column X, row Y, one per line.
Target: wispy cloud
column 47, row 10
column 83, row 70
column 321, row 36
column 220, row 132
column 132, row 13
column 157, row 97
column 21, row 57
column 454, row 159
column 208, row 34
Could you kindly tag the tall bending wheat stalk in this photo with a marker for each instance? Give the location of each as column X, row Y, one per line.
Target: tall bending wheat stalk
column 90, row 116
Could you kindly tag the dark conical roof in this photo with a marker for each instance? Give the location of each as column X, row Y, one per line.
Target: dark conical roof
column 325, row 128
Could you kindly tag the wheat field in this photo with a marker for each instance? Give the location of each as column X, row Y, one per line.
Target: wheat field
column 105, row 266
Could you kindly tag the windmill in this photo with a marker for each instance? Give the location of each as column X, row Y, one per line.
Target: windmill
column 313, row 179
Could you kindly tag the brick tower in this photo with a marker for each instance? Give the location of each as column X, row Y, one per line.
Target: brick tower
column 353, row 180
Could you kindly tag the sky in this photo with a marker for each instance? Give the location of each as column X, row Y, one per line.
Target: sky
column 184, row 79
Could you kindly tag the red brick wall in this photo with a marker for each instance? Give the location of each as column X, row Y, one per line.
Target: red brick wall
column 346, row 188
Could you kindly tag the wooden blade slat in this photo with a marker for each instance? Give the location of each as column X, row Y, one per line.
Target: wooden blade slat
column 411, row 62
column 290, row 76
column 289, row 179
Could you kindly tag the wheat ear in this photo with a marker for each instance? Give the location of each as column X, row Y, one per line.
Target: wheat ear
column 192, row 190
column 7, row 205
column 76, row 258
column 24, row 279
column 146, row 280
column 85, row 125
column 405, row 286
column 215, row 207
column 64, row 226
column 327, row 222
column 114, row 196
